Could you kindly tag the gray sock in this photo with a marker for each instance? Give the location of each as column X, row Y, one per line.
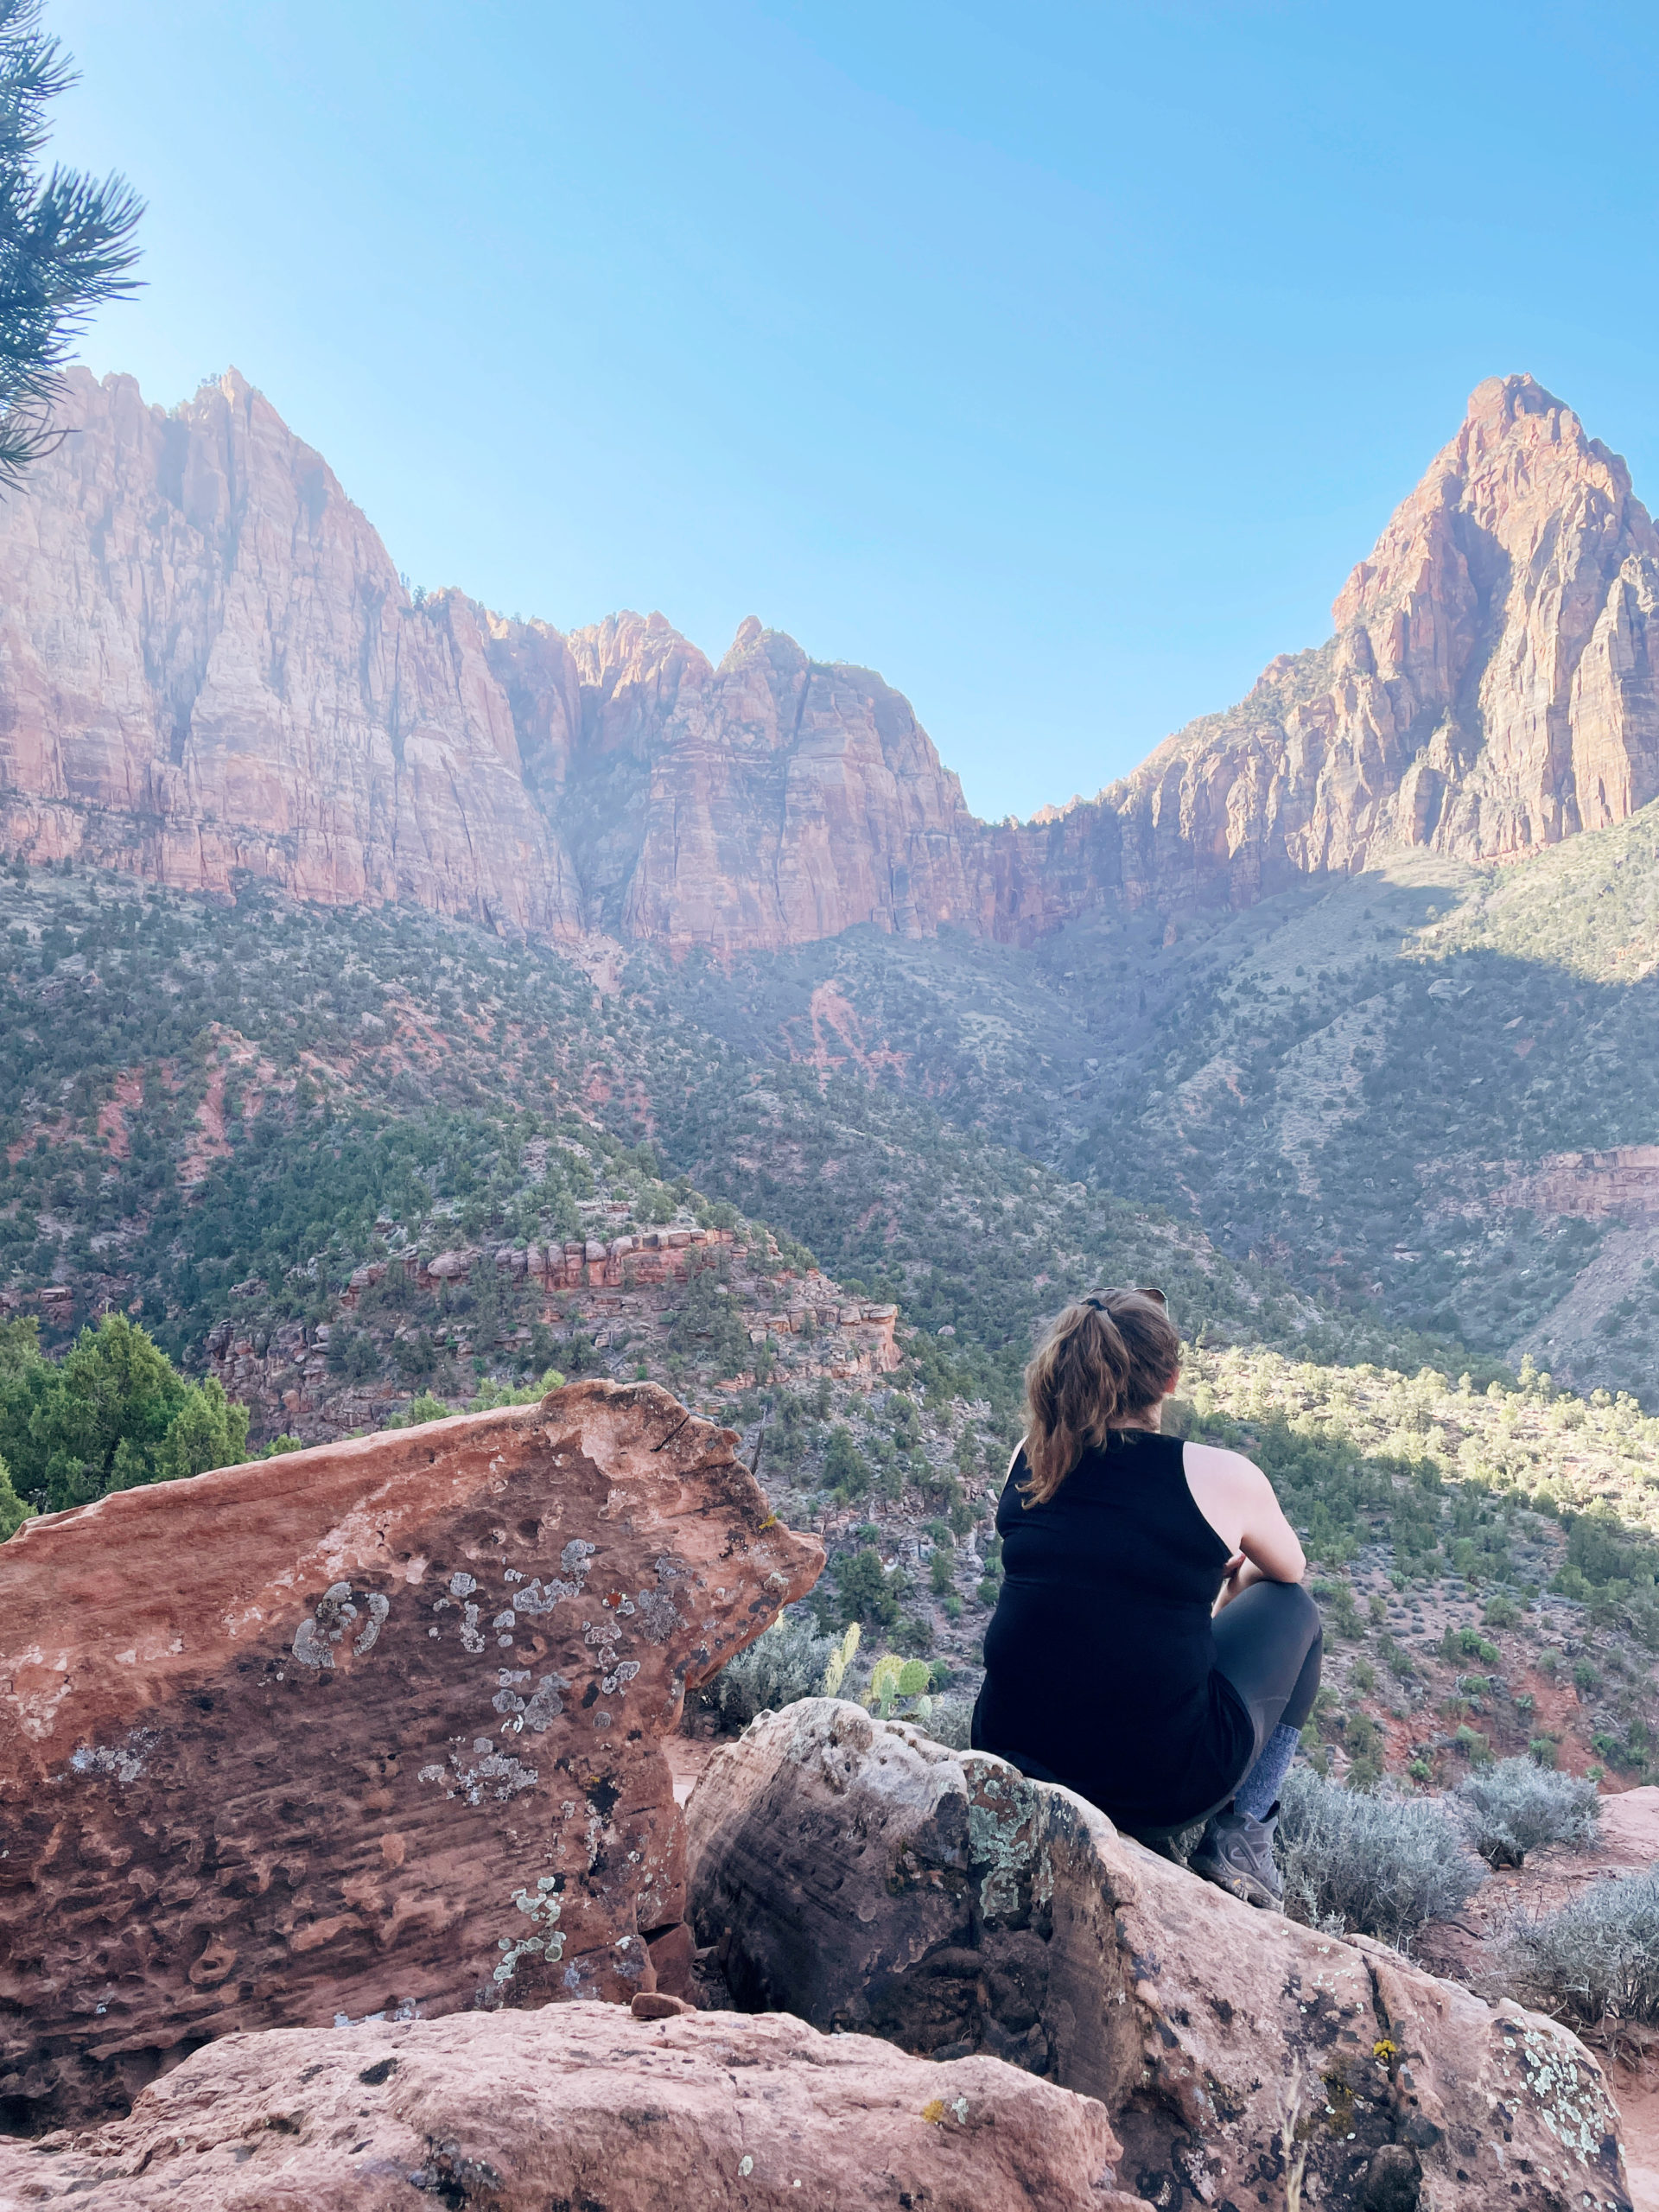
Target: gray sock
column 1261, row 1786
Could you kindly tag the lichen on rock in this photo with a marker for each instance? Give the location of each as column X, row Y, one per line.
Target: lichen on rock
column 857, row 1873
column 252, row 1776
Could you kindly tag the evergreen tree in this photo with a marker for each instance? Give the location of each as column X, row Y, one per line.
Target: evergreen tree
column 114, row 1413
column 66, row 241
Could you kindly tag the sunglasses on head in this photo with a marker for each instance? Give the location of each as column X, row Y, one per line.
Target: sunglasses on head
column 1144, row 1289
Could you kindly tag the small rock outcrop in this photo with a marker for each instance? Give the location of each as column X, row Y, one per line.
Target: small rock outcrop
column 860, row 1874
column 371, row 1730
column 580, row 2104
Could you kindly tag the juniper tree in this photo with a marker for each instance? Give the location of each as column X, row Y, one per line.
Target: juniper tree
column 66, row 241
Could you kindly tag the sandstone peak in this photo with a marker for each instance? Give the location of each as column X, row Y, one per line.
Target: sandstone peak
column 208, row 665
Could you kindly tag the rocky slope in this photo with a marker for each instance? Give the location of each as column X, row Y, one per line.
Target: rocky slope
column 208, row 665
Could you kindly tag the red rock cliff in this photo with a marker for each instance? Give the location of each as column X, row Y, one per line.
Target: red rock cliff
column 208, row 664
column 1490, row 687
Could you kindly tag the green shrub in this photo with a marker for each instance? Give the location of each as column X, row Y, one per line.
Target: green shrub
column 845, row 1469
column 1515, row 1806
column 420, row 1410
column 1602, row 1549
column 1501, row 1611
column 865, row 1591
column 1336, row 1601
column 786, row 1663
column 13, row 1511
column 1469, row 1643
column 1597, row 1958
column 114, row 1413
column 1362, row 1737
column 915, row 1633
column 950, row 1722
column 1369, row 1864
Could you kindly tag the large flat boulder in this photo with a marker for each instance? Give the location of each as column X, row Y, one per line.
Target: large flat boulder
column 580, row 2104
column 372, row 1729
column 860, row 1874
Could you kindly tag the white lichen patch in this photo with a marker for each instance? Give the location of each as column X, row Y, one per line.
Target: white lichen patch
column 487, row 1773
column 1001, row 1819
column 1571, row 2101
column 315, row 1638
column 124, row 1763
column 542, row 1908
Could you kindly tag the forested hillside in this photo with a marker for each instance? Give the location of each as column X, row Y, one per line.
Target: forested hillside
column 1402, row 1091
column 353, row 1168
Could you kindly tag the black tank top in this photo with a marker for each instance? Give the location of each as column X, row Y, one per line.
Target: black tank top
column 1099, row 1660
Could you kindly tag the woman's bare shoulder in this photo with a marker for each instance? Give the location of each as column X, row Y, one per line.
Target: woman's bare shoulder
column 1216, row 1463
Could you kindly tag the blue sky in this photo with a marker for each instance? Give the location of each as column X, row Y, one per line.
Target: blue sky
column 1057, row 361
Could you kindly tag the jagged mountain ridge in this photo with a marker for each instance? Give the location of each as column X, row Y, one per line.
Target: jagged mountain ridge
column 208, row 664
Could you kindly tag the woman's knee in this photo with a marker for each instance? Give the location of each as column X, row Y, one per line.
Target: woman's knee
column 1289, row 1605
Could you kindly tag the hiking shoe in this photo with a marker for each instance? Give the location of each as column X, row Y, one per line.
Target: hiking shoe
column 1236, row 1852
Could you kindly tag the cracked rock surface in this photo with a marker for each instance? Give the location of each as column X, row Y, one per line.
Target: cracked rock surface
column 580, row 2105
column 858, row 1873
column 371, row 1730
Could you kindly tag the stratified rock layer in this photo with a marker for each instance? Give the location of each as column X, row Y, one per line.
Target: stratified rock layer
column 580, row 2104
column 1489, row 688
column 372, row 1729
column 860, row 1874
column 208, row 664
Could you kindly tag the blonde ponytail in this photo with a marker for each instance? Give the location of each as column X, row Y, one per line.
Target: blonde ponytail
column 1103, row 1364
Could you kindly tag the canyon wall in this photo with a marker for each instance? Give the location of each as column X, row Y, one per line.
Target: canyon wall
column 208, row 665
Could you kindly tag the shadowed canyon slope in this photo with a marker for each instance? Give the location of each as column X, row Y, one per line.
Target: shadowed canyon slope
column 208, row 664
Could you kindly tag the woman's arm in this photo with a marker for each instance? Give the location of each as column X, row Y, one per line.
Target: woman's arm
column 1237, row 1500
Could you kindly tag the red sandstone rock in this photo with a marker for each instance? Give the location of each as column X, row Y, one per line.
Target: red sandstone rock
column 1596, row 1186
column 373, row 1729
column 858, row 1873
column 1489, row 688
column 207, row 663
column 580, row 2105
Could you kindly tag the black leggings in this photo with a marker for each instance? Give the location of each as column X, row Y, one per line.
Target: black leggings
column 1269, row 1643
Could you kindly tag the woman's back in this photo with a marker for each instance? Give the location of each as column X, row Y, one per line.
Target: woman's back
column 1100, row 1658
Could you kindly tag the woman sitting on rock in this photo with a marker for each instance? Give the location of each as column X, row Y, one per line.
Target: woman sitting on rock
column 1153, row 1648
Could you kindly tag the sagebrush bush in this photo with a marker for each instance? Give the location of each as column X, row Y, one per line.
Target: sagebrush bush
column 1369, row 1864
column 1513, row 1807
column 949, row 1722
column 786, row 1663
column 1598, row 1958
